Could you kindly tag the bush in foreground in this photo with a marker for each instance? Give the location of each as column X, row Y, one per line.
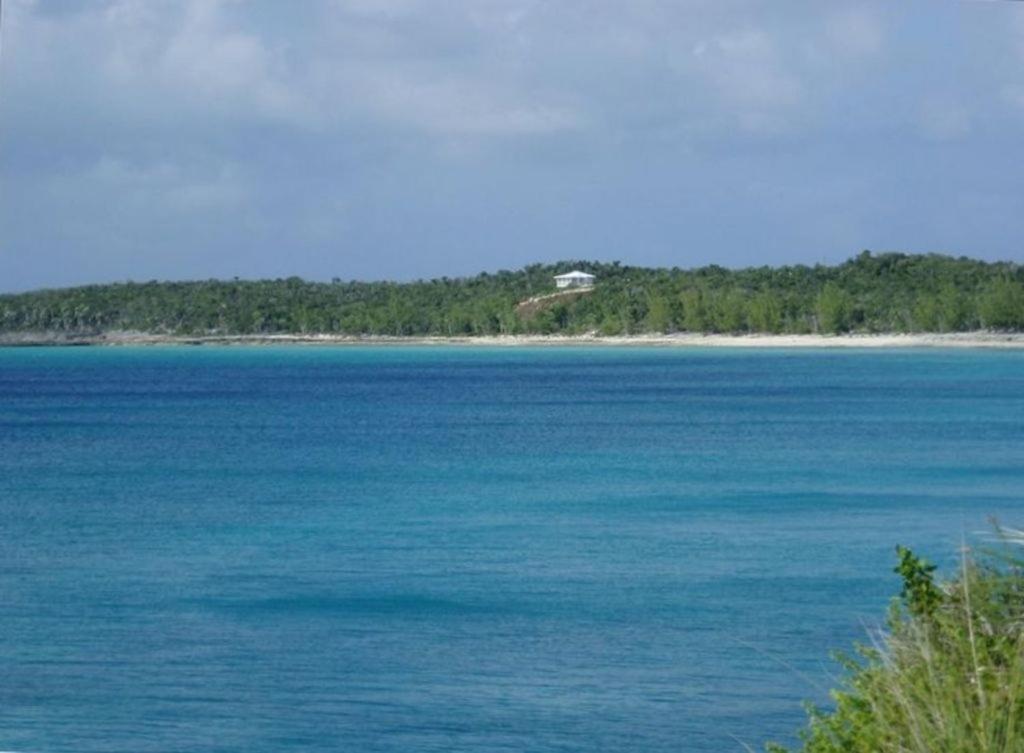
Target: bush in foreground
column 947, row 676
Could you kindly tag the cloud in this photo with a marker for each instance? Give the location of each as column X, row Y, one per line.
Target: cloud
column 747, row 74
column 494, row 69
column 855, row 31
column 186, row 189
column 453, row 104
column 378, row 135
column 194, row 56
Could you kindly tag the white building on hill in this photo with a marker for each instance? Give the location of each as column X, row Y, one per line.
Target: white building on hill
column 575, row 279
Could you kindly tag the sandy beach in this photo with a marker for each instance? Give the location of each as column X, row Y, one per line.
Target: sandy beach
column 685, row 340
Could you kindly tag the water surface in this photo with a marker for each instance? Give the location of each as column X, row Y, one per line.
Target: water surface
column 434, row 549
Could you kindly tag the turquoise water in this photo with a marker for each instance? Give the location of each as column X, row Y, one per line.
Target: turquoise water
column 419, row 549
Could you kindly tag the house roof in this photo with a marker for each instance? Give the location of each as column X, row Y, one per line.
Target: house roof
column 575, row 274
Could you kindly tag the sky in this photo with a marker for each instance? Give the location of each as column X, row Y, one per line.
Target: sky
column 403, row 139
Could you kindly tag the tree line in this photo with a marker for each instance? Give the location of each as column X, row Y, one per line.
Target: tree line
column 889, row 292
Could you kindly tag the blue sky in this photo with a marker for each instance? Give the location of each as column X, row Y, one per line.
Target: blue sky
column 398, row 139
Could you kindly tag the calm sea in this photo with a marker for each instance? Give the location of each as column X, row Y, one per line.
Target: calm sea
column 445, row 549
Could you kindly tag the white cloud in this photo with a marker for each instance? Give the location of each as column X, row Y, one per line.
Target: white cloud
column 749, row 77
column 855, row 31
column 490, row 69
column 196, row 57
column 451, row 104
column 137, row 116
column 379, row 8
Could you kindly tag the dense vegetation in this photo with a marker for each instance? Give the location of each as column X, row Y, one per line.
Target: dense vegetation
column 870, row 293
column 947, row 675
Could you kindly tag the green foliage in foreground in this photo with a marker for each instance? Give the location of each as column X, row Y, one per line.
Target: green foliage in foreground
column 946, row 677
column 870, row 293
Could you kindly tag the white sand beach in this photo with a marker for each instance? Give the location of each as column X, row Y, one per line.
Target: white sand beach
column 684, row 340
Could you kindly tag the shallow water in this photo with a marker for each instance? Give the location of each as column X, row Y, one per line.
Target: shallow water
column 433, row 549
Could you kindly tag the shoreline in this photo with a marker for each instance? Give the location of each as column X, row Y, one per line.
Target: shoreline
column 1001, row 340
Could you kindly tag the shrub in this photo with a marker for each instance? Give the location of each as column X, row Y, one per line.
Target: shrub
column 946, row 676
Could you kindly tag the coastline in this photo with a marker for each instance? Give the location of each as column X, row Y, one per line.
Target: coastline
column 1001, row 340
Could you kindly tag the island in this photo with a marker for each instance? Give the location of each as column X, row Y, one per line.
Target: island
column 871, row 299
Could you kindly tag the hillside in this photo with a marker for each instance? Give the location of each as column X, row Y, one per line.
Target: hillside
column 869, row 293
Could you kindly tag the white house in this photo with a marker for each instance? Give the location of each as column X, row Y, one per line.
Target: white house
column 574, row 279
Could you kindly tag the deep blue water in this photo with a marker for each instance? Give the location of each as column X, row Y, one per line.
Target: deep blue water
column 420, row 549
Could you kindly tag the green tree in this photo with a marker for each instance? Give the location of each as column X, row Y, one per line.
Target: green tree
column 730, row 312
column 953, row 309
column 659, row 318
column 928, row 314
column 695, row 313
column 833, row 309
column 874, row 293
column 765, row 313
column 1002, row 305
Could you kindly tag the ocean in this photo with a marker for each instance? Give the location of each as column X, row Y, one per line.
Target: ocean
column 404, row 549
